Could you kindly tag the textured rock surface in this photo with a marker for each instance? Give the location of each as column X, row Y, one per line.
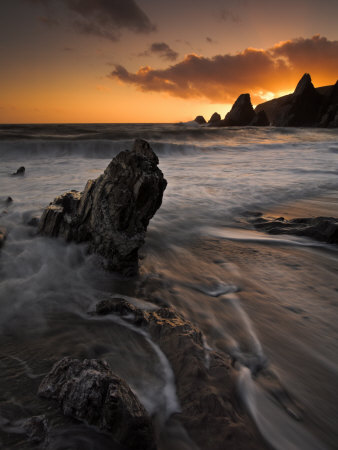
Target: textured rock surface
column 200, row 120
column 113, row 212
column 241, row 113
column 205, row 380
column 323, row 229
column 89, row 391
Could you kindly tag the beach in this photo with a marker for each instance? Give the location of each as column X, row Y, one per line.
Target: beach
column 260, row 309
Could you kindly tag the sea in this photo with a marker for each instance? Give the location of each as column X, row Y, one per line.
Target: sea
column 265, row 300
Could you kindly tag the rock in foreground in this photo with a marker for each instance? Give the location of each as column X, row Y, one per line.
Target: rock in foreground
column 113, row 212
column 89, row 391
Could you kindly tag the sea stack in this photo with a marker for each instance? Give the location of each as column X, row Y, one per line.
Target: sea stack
column 215, row 119
column 241, row 113
column 113, row 211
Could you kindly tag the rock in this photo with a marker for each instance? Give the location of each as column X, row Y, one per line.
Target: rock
column 205, row 381
column 329, row 113
column 33, row 222
column 21, row 171
column 36, row 429
column 113, row 212
column 3, row 236
column 324, row 229
column 89, row 391
column 303, row 108
column 200, row 120
column 241, row 113
column 215, row 119
column 260, row 120
column 9, row 200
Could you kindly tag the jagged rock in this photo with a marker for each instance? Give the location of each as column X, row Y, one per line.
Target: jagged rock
column 21, row 171
column 205, row 381
column 241, row 113
column 323, row 229
column 89, row 391
column 260, row 120
column 36, row 429
column 306, row 107
column 200, row 120
column 113, row 212
column 3, row 236
column 214, row 119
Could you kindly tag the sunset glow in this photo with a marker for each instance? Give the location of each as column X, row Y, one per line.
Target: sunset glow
column 68, row 64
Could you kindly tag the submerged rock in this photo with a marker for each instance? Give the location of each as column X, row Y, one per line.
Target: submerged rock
column 21, row 171
column 36, row 429
column 200, row 120
column 3, row 236
column 113, row 212
column 241, row 113
column 324, row 229
column 89, row 391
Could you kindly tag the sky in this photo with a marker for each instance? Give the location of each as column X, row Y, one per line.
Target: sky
column 105, row 61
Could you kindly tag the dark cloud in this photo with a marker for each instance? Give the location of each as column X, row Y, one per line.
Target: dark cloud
column 162, row 50
column 104, row 18
column 223, row 77
column 228, row 15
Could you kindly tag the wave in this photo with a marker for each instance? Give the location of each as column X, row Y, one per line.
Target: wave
column 107, row 149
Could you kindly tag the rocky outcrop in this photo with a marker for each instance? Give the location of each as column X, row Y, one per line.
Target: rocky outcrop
column 215, row 119
column 21, row 171
column 200, row 120
column 324, row 229
column 3, row 236
column 306, row 107
column 260, row 120
column 113, row 212
column 89, row 391
column 241, row 113
column 205, row 380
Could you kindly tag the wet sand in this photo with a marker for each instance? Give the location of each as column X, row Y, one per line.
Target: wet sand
column 272, row 305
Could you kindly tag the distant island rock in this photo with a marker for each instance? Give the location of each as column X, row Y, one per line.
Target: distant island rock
column 214, row 119
column 113, row 212
column 241, row 113
column 307, row 106
column 200, row 120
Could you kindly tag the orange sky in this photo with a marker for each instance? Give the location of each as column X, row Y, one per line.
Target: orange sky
column 64, row 61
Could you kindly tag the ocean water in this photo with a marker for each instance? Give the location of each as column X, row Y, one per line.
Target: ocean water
column 264, row 300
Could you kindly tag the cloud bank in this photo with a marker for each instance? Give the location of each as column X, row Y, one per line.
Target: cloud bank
column 223, row 77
